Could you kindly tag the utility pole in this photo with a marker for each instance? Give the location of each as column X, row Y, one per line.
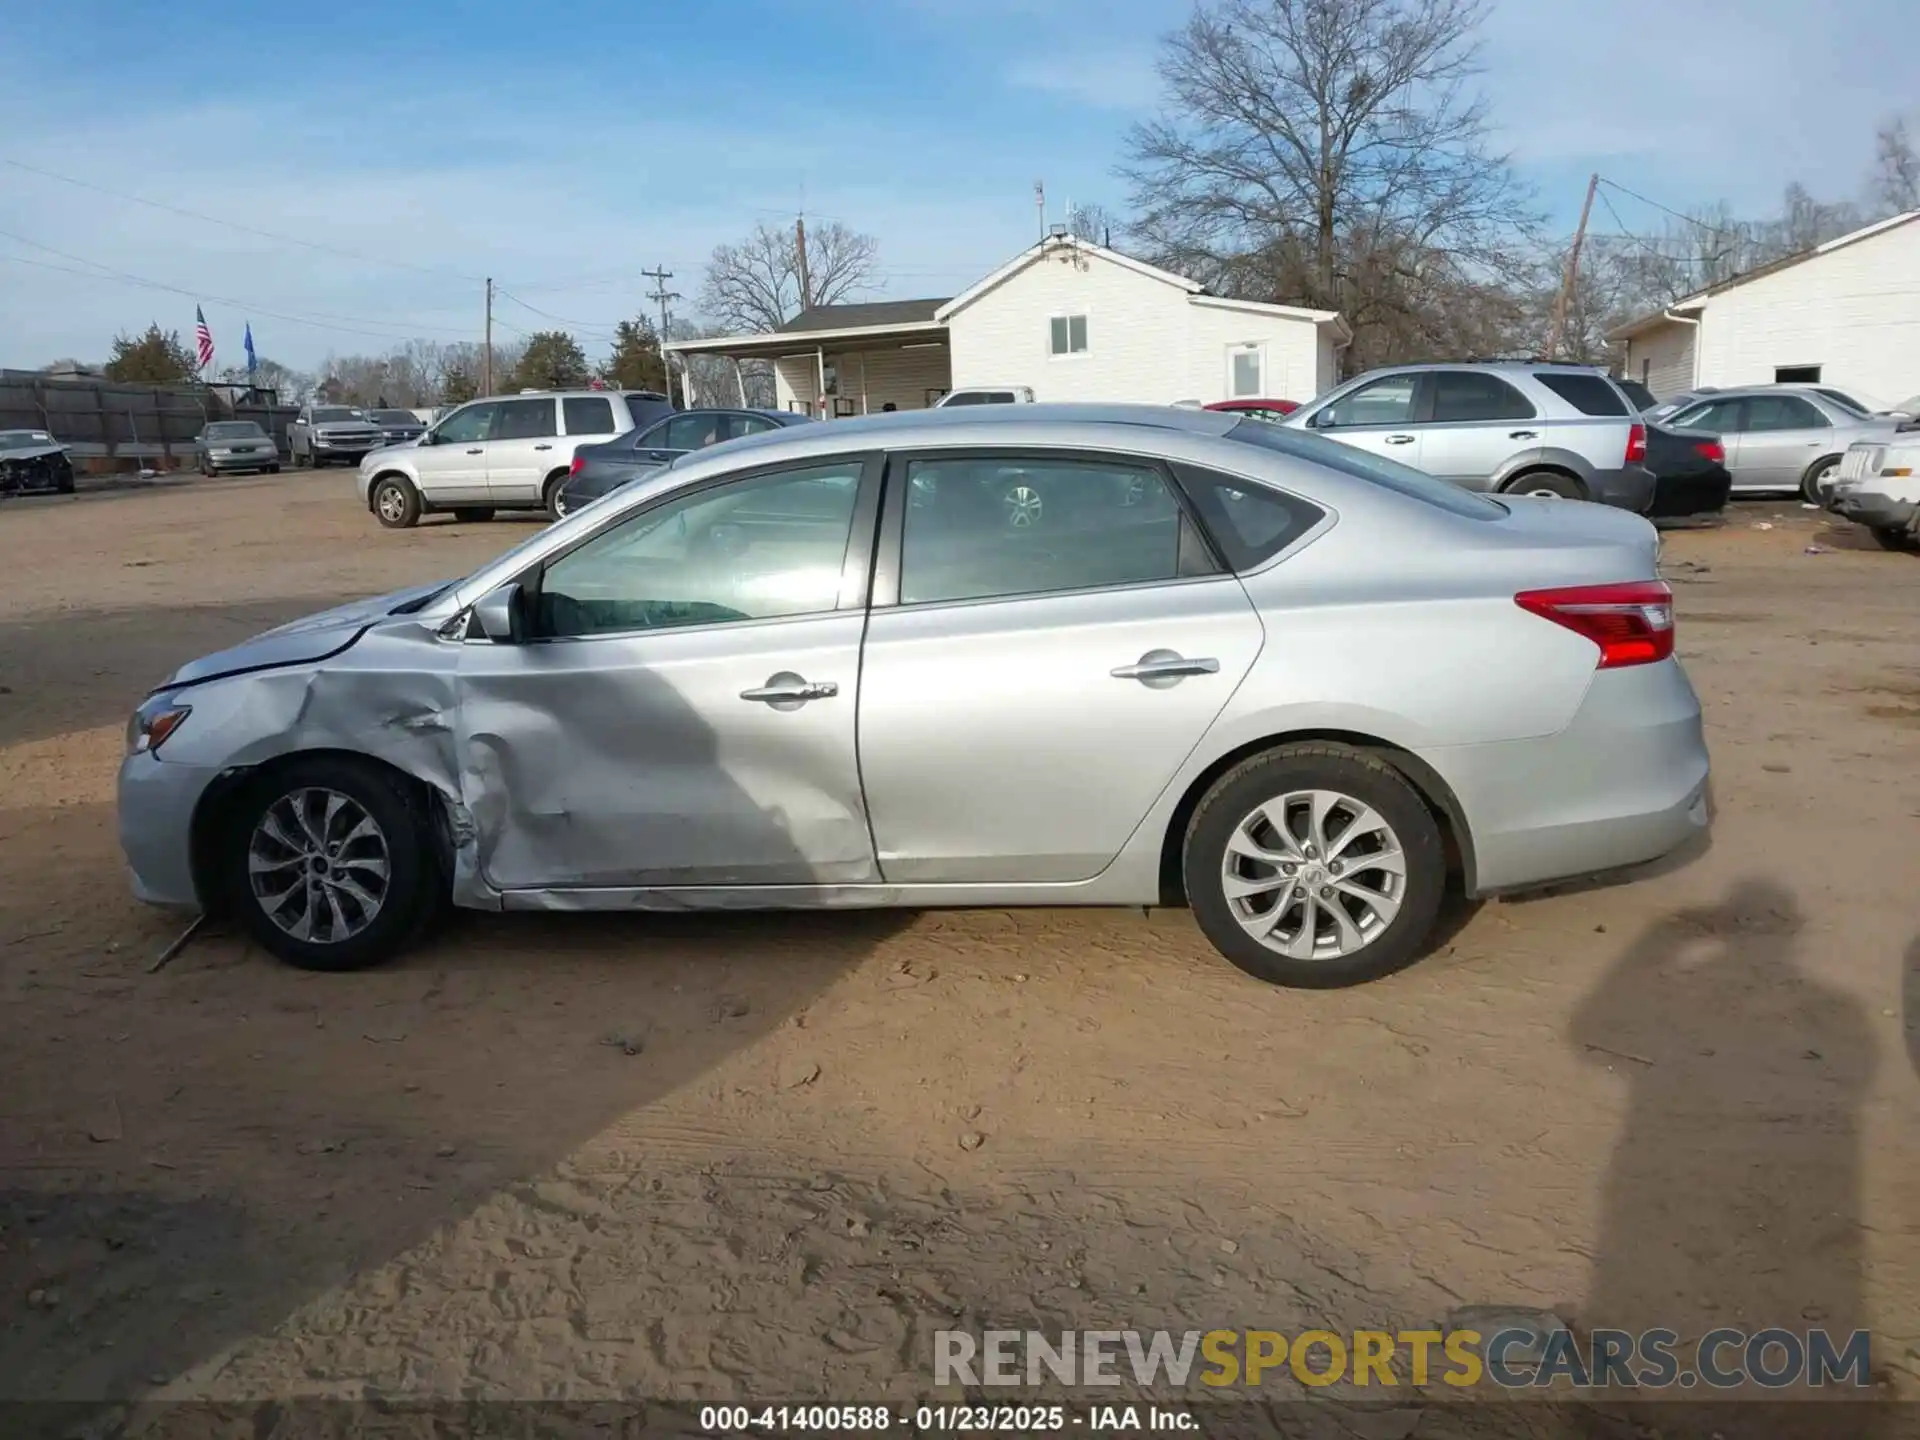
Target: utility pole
column 1040, row 205
column 1573, row 273
column 660, row 275
column 486, row 352
column 800, row 245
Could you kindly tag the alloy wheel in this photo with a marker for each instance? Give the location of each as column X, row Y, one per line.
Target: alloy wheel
column 1314, row 875
column 319, row 865
column 1024, row 507
column 392, row 503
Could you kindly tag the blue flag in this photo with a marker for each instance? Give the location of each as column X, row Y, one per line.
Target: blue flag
column 252, row 360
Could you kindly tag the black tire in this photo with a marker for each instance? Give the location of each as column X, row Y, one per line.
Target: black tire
column 1353, row 773
column 316, row 461
column 273, row 469
column 1547, row 483
column 550, row 500
column 414, row 881
column 395, row 503
column 63, row 480
column 1895, row 537
column 1823, row 469
column 205, row 469
column 472, row 514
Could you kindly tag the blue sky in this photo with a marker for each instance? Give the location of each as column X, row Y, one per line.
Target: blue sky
column 564, row 148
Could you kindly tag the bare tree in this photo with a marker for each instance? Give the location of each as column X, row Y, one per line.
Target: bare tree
column 1093, row 223
column 1332, row 153
column 755, row 285
column 1896, row 175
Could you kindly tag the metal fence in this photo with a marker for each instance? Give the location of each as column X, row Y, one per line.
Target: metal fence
column 107, row 425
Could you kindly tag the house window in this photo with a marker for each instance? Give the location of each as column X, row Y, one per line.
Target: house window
column 1067, row 335
column 1796, row 374
column 1246, row 372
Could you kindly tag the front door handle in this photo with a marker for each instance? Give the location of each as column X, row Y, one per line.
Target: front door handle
column 1523, row 435
column 543, row 446
column 476, row 452
column 1399, row 439
column 788, row 691
column 1159, row 669
column 658, row 455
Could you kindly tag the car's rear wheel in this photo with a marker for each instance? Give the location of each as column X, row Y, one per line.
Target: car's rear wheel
column 472, row 514
column 396, row 504
column 329, row 864
column 1820, row 474
column 1316, row 866
column 550, row 497
column 1546, row 485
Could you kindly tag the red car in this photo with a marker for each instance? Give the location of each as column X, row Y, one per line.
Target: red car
column 1261, row 409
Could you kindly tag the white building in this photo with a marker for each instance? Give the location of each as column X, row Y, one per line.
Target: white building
column 1067, row 318
column 1846, row 313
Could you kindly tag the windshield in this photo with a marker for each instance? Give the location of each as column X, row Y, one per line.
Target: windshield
column 394, row 417
column 1374, row 469
column 335, row 412
column 16, row 439
column 234, row 430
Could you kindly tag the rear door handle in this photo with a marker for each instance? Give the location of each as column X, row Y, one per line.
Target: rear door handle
column 1165, row 667
column 1399, row 439
column 543, row 446
column 476, row 452
column 1524, row 435
column 788, row 691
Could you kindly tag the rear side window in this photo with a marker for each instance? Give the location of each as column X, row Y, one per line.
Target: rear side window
column 1589, row 394
column 1475, row 395
column 588, row 415
column 1250, row 524
column 524, row 420
column 1374, row 469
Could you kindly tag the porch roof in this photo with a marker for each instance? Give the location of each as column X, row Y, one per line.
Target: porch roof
column 897, row 335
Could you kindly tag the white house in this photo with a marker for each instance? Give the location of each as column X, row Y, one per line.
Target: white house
column 1067, row 318
column 1846, row 313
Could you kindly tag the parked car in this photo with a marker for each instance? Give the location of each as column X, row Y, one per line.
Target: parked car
column 397, row 427
column 33, row 462
column 987, row 395
column 1555, row 431
column 1259, row 409
column 1301, row 687
column 229, row 445
column 506, row 452
column 601, row 469
column 1690, row 472
column 330, row 434
column 1846, row 400
column 1878, row 486
column 1781, row 439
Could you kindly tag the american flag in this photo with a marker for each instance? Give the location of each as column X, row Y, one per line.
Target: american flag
column 202, row 337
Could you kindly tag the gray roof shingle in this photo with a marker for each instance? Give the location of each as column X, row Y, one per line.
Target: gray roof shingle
column 877, row 312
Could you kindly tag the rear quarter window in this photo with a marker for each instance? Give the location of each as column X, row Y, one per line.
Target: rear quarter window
column 1359, row 465
column 1248, row 523
column 1589, row 394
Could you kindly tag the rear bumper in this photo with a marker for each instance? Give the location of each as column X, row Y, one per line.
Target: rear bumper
column 1624, row 783
column 1873, row 508
column 1629, row 488
column 1701, row 494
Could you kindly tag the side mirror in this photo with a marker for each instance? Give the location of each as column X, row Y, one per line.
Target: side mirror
column 426, row 438
column 1321, row 419
column 498, row 612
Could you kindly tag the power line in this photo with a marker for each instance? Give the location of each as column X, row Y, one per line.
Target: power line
column 586, row 325
column 1664, row 209
column 99, row 271
column 234, row 224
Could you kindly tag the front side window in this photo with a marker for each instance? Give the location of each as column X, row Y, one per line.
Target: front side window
column 1783, row 412
column 1386, row 401
column 1474, row 395
column 694, row 432
column 739, row 425
column 524, row 420
column 758, row 549
column 1067, row 334
column 468, row 426
column 587, row 414
column 988, row 528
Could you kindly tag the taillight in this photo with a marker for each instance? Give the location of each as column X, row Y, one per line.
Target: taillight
column 1636, row 444
column 1632, row 624
column 1711, row 450
column 574, row 469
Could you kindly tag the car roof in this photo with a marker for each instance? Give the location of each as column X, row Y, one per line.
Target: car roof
column 981, row 425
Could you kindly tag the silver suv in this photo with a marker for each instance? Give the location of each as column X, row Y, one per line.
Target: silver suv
column 1528, row 429
column 506, row 452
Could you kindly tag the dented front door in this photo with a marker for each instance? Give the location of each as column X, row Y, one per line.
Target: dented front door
column 641, row 760
column 681, row 710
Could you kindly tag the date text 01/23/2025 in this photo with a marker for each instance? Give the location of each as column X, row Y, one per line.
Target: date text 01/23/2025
column 936, row 1419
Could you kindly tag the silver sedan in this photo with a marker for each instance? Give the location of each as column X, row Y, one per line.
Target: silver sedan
column 999, row 655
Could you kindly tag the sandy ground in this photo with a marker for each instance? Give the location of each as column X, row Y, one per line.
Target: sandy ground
column 755, row 1158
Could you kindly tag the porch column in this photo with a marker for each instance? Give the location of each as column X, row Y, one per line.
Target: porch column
column 820, row 383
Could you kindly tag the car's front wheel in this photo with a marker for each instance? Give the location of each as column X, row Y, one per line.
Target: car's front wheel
column 329, row 864
column 396, row 504
column 1895, row 537
column 1315, row 865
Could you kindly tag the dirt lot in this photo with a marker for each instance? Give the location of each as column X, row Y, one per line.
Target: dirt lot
column 767, row 1157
